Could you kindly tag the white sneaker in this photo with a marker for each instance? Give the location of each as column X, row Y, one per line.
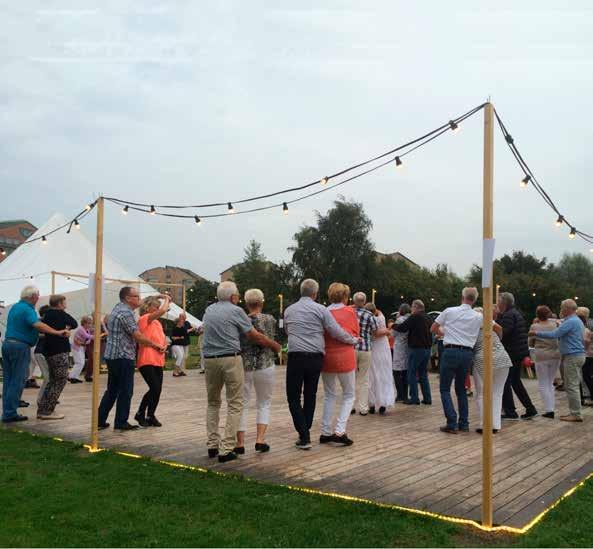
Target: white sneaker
column 50, row 416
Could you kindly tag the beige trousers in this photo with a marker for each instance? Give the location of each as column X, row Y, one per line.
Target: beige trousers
column 224, row 372
column 364, row 360
column 573, row 365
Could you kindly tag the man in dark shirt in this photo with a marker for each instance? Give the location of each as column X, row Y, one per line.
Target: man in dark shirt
column 419, row 343
column 514, row 340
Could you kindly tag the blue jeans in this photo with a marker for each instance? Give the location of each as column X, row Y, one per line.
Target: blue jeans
column 15, row 365
column 418, row 364
column 455, row 366
column 120, row 388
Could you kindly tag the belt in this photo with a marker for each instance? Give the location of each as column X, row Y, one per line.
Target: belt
column 458, row 347
column 304, row 353
column 226, row 355
column 18, row 341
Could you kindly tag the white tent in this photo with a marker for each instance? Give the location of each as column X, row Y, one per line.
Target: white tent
column 67, row 253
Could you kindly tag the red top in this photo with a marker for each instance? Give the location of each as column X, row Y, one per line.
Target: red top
column 341, row 357
column 147, row 356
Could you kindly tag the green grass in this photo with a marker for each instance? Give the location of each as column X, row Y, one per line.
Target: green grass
column 57, row 494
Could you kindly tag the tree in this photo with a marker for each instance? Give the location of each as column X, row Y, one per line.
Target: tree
column 199, row 296
column 337, row 249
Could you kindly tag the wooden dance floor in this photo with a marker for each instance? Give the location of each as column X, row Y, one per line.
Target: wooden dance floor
column 400, row 458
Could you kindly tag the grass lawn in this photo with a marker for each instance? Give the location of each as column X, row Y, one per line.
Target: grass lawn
column 57, row 494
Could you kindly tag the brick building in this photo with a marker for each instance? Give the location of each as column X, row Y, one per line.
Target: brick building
column 171, row 275
column 13, row 234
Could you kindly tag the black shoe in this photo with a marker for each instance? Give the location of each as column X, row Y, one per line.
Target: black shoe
column 239, row 450
column 511, row 417
column 343, row 439
column 409, row 402
column 463, row 429
column 140, row 418
column 126, row 427
column 23, row 404
column 202, row 371
column 182, row 374
column 531, row 414
column 446, row 429
column 371, row 409
column 88, row 379
column 382, row 410
column 324, row 439
column 227, row 457
column 262, row 447
column 480, row 431
column 303, row 444
column 15, row 419
column 353, row 411
column 103, row 426
column 31, row 384
column 143, row 422
column 153, row 421
column 399, row 399
column 212, row 452
column 549, row 415
column 75, row 380
column 426, row 403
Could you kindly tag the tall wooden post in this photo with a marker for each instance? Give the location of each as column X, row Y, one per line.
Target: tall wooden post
column 497, row 292
column 97, row 319
column 373, row 294
column 281, row 321
column 487, row 326
column 53, row 282
column 183, row 297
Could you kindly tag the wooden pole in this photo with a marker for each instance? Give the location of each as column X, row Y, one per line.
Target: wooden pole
column 53, row 282
column 497, row 292
column 183, row 297
column 281, row 319
column 374, row 293
column 487, row 326
column 97, row 341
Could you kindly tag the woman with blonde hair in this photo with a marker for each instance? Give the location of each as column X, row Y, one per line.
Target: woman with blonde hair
column 259, row 366
column 150, row 361
column 82, row 338
column 339, row 367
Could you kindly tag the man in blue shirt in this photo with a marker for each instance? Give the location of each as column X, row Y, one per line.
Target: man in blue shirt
column 570, row 335
column 23, row 327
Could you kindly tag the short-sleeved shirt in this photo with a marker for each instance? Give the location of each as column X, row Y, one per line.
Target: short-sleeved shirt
column 223, row 325
column 461, row 325
column 181, row 336
column 57, row 319
column 21, row 317
column 121, row 327
column 368, row 324
column 256, row 357
column 147, row 356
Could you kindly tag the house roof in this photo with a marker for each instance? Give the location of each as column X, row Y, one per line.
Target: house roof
column 400, row 254
column 13, row 222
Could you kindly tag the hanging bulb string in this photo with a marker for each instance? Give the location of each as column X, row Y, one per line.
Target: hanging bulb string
column 440, row 130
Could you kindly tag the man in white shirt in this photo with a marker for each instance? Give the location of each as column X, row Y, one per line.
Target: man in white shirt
column 460, row 327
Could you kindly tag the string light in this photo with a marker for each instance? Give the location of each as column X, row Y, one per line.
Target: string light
column 230, row 208
column 43, row 240
column 525, row 181
column 77, row 224
column 573, row 233
column 125, row 210
column 88, row 207
column 398, row 162
column 285, row 208
column 533, row 294
column 576, row 297
column 559, row 221
column 453, row 125
column 324, row 180
column 152, row 210
column 3, row 251
column 197, row 220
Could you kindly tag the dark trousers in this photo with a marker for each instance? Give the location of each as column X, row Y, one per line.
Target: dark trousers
column 418, row 373
column 153, row 375
column 120, row 388
column 514, row 383
column 15, row 368
column 302, row 377
column 454, row 366
column 400, row 377
column 58, row 377
column 588, row 376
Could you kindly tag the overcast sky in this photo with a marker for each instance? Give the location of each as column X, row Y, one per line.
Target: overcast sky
column 191, row 102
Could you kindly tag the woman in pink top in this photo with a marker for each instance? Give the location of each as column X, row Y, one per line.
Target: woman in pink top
column 151, row 361
column 82, row 337
column 583, row 313
column 339, row 367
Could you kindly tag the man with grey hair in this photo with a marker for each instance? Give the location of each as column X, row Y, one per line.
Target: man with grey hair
column 514, row 340
column 306, row 323
column 417, row 326
column 224, row 323
column 22, row 330
column 460, row 327
column 570, row 335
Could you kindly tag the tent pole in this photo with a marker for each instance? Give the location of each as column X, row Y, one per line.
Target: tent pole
column 281, row 313
column 184, row 298
column 53, row 282
column 488, row 229
column 97, row 319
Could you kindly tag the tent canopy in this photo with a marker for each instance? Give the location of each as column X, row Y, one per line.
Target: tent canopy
column 32, row 264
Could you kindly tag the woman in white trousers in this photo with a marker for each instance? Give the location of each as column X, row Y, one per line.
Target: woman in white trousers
column 82, row 337
column 500, row 371
column 547, row 358
column 258, row 363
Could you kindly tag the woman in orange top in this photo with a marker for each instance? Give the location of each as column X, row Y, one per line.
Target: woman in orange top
column 339, row 367
column 150, row 361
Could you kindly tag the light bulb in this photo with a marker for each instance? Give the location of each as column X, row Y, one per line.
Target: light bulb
column 125, row 210
column 230, row 208
column 573, row 233
column 324, row 180
column 77, row 224
column 525, row 181
column 559, row 221
column 43, row 240
column 454, row 126
column 398, row 162
column 152, row 210
column 3, row 251
column 88, row 207
column 285, row 208
column 197, row 220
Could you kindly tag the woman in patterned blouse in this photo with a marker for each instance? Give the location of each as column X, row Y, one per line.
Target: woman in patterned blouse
column 258, row 363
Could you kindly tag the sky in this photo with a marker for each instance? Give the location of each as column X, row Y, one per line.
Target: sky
column 192, row 102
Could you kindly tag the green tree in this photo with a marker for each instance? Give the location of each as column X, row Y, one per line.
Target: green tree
column 199, row 296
